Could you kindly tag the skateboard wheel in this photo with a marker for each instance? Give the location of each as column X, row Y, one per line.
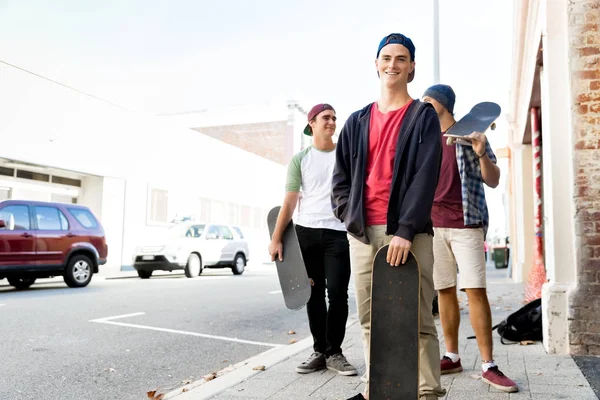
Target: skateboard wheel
column 493, row 126
column 449, row 141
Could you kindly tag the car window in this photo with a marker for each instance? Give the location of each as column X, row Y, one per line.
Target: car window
column 194, row 231
column 16, row 217
column 50, row 219
column 84, row 217
column 225, row 232
column 212, row 232
column 239, row 232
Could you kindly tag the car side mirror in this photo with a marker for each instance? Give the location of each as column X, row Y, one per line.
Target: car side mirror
column 2, row 223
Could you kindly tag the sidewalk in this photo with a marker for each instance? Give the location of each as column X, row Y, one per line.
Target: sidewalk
column 539, row 376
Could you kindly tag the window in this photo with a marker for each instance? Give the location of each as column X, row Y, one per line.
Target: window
column 4, row 193
column 194, row 231
column 218, row 211
column 84, row 217
column 66, row 181
column 233, row 213
column 63, row 198
column 239, row 232
column 246, row 216
column 159, row 205
column 7, row 171
column 225, row 232
column 50, row 219
column 16, row 217
column 204, row 214
column 213, row 232
column 36, row 176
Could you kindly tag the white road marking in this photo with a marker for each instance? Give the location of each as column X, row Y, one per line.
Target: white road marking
column 275, row 292
column 109, row 321
column 118, row 317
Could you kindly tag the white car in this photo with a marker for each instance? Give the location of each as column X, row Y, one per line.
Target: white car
column 191, row 247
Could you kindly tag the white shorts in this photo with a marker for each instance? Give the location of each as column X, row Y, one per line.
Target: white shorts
column 459, row 257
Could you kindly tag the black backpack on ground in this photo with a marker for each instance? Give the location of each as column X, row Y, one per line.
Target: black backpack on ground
column 523, row 324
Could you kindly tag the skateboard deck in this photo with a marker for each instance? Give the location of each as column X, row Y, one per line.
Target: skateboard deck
column 479, row 119
column 394, row 359
column 293, row 278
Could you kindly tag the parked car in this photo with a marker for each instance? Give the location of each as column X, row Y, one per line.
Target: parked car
column 191, row 247
column 43, row 240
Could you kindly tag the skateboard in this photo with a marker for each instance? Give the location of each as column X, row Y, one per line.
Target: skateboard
column 394, row 359
column 479, row 119
column 293, row 278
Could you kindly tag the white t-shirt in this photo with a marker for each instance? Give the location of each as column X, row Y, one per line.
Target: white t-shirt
column 310, row 172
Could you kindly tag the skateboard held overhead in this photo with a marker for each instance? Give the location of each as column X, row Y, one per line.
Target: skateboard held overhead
column 479, row 119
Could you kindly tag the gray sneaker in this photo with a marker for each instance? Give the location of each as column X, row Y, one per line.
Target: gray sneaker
column 339, row 364
column 313, row 363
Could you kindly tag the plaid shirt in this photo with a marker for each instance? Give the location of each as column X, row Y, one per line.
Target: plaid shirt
column 475, row 210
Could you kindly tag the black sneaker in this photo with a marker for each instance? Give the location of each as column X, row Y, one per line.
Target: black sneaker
column 314, row 362
column 357, row 397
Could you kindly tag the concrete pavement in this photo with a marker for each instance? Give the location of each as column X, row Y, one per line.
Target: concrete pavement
column 539, row 375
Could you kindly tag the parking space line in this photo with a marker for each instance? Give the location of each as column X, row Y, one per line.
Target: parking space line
column 118, row 317
column 109, row 321
column 275, row 292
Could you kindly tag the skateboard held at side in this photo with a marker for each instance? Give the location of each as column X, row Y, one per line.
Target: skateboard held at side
column 293, row 278
column 394, row 359
column 479, row 119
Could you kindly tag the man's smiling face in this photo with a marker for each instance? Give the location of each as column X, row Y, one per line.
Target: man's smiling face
column 394, row 64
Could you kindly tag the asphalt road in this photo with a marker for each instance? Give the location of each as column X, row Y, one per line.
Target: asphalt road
column 57, row 342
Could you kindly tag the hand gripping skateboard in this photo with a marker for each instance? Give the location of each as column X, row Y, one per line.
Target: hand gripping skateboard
column 394, row 354
column 292, row 274
column 479, row 119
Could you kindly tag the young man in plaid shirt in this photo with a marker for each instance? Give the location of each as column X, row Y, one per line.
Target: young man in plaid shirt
column 460, row 220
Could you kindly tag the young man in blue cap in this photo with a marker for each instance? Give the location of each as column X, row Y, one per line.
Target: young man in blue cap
column 460, row 220
column 323, row 242
column 386, row 172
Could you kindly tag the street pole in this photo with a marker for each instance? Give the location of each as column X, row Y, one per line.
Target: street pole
column 436, row 42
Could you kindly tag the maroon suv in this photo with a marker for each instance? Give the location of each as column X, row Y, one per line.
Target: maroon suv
column 42, row 240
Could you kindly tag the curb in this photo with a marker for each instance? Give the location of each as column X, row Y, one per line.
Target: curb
column 242, row 371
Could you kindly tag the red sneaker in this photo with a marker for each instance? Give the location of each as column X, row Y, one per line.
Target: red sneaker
column 497, row 379
column 450, row 367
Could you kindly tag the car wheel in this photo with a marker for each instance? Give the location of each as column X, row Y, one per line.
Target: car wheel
column 21, row 283
column 144, row 274
column 239, row 264
column 193, row 268
column 79, row 271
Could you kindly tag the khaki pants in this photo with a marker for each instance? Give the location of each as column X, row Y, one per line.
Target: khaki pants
column 361, row 259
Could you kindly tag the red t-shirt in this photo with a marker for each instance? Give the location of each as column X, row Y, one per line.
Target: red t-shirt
column 447, row 211
column 383, row 138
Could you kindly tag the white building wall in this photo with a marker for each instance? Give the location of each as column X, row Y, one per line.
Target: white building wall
column 127, row 153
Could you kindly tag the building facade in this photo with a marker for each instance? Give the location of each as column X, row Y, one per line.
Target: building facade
column 137, row 172
column 555, row 136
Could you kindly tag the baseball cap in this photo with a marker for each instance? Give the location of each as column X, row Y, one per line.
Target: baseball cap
column 398, row 38
column 316, row 110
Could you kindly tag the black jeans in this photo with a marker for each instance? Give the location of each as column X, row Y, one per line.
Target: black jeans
column 326, row 254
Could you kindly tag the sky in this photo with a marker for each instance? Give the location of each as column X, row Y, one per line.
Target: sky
column 184, row 55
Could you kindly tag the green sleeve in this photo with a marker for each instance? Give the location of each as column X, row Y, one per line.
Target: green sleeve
column 294, row 173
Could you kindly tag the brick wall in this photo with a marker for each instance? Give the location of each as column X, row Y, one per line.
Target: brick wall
column 584, row 312
column 267, row 139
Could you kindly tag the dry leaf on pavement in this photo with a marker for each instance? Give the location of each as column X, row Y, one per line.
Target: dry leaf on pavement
column 210, row 377
column 292, row 341
column 291, row 332
column 526, row 342
column 259, row 368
